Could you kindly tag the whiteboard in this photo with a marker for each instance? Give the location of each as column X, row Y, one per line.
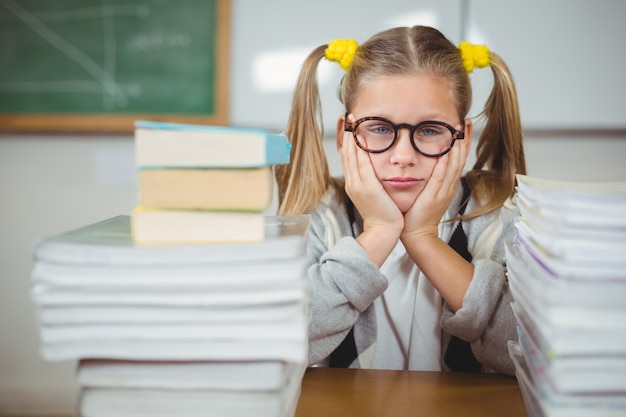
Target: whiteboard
column 275, row 36
column 568, row 59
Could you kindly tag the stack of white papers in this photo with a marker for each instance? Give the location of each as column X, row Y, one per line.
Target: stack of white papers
column 567, row 272
column 215, row 329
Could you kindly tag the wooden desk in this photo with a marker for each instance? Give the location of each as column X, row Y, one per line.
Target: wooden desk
column 358, row 392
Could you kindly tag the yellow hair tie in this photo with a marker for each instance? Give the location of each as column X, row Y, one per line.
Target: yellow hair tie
column 474, row 56
column 341, row 51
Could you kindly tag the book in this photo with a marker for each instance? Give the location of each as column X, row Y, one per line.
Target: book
column 206, row 189
column 44, row 295
column 184, row 375
column 110, row 314
column 218, row 275
column 580, row 256
column 186, row 330
column 109, row 242
column 578, row 221
column 563, row 343
column 572, row 375
column 542, row 400
column 156, row 226
column 152, row 402
column 561, row 301
column 199, row 350
column 566, row 272
column 216, row 302
column 540, row 301
column 566, row 203
column 163, row 144
column 293, row 329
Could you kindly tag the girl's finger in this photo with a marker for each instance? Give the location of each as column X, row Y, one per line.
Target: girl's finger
column 350, row 160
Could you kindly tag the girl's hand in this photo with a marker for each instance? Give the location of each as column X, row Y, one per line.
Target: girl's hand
column 423, row 218
column 382, row 219
column 449, row 273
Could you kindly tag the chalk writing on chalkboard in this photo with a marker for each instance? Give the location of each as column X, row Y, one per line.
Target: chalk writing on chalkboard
column 112, row 58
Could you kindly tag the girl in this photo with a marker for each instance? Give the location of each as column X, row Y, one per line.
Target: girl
column 407, row 266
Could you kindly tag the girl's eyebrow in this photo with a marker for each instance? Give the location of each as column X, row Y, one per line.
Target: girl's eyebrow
column 439, row 118
column 436, row 115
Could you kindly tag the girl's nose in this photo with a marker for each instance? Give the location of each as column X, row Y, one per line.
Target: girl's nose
column 403, row 151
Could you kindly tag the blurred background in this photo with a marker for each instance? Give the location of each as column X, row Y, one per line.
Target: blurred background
column 567, row 57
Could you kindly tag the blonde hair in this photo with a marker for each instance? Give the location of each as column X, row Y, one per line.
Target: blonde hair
column 417, row 50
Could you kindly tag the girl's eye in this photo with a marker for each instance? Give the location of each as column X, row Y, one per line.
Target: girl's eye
column 431, row 130
column 383, row 130
column 378, row 128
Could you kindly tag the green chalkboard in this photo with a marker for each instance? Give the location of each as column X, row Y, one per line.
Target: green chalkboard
column 70, row 64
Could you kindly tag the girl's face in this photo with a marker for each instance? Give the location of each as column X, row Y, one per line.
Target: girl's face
column 403, row 171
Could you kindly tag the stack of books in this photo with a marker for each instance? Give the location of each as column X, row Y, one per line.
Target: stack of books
column 567, row 274
column 213, row 329
column 203, row 184
column 196, row 303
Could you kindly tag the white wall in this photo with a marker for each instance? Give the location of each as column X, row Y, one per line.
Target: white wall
column 267, row 33
column 48, row 185
column 567, row 56
column 51, row 184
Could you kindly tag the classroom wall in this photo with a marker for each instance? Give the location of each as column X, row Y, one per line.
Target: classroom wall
column 51, row 183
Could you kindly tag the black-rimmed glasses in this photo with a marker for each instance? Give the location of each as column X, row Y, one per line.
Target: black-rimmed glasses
column 430, row 138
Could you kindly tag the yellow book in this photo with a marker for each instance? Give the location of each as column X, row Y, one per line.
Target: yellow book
column 206, row 189
column 154, row 226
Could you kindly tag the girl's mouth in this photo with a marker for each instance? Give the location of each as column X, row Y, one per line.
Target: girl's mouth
column 402, row 183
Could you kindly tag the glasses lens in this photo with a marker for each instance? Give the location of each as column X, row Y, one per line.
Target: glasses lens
column 432, row 138
column 375, row 135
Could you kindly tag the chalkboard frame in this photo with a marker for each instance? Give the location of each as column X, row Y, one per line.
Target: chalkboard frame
column 44, row 123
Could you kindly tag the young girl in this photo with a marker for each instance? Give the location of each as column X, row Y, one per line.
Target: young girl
column 407, row 266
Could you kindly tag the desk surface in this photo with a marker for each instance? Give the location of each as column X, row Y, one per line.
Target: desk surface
column 358, row 392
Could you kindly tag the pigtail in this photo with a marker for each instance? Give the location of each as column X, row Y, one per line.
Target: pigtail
column 500, row 151
column 303, row 181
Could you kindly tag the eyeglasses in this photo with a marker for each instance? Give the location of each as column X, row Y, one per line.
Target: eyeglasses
column 430, row 138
